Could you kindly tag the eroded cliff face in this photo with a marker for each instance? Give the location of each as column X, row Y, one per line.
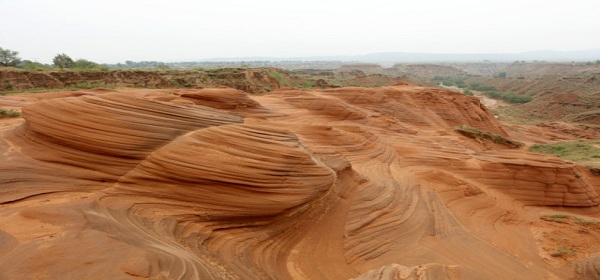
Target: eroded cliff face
column 248, row 80
column 293, row 184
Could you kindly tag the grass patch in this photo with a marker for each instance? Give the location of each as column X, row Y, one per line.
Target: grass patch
column 277, row 76
column 581, row 221
column 584, row 152
column 475, row 133
column 564, row 219
column 558, row 216
column 32, row 90
column 308, row 84
column 9, row 113
column 87, row 85
column 561, row 252
column 84, row 85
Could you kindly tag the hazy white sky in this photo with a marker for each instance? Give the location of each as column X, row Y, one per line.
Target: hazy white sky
column 111, row 31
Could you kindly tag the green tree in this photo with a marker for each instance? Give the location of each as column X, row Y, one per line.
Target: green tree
column 85, row 64
column 31, row 65
column 502, row 75
column 63, row 61
column 8, row 57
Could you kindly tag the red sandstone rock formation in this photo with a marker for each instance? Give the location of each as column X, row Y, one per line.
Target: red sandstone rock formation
column 348, row 183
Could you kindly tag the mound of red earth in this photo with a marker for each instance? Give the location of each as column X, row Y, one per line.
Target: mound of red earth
column 345, row 183
column 560, row 92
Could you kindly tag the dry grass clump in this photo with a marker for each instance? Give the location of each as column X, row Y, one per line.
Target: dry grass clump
column 475, row 133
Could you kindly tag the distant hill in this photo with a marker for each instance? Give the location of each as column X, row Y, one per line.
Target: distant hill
column 387, row 59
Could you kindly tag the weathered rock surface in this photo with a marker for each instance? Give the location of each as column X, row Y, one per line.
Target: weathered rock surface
column 249, row 80
column 345, row 183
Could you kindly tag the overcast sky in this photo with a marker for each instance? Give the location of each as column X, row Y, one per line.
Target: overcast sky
column 111, row 31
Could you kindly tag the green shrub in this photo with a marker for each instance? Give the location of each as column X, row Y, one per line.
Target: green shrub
column 85, row 64
column 277, row 76
column 480, row 87
column 558, row 216
column 509, row 97
column 33, row 65
column 475, row 133
column 9, row 57
column 449, row 81
column 63, row 61
column 9, row 113
column 583, row 222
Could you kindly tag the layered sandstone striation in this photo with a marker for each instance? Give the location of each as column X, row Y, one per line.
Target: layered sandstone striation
column 345, row 183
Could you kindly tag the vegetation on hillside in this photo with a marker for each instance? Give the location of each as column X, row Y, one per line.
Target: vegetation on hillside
column 451, row 81
column 277, row 76
column 480, row 87
column 468, row 92
column 475, row 133
column 509, row 97
column 584, row 152
column 9, row 57
column 9, row 113
column 490, row 91
column 63, row 61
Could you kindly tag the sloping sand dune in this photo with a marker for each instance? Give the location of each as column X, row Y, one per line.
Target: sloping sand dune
column 348, row 183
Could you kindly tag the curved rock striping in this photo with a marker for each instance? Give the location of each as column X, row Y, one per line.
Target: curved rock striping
column 335, row 184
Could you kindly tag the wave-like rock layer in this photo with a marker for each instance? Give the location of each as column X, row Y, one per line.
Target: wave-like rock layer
column 347, row 183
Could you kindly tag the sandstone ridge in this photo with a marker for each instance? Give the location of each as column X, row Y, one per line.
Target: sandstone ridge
column 215, row 183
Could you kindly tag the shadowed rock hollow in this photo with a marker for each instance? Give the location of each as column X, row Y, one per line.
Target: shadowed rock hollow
column 348, row 183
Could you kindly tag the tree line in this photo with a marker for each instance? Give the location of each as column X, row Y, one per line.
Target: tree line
column 10, row 58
